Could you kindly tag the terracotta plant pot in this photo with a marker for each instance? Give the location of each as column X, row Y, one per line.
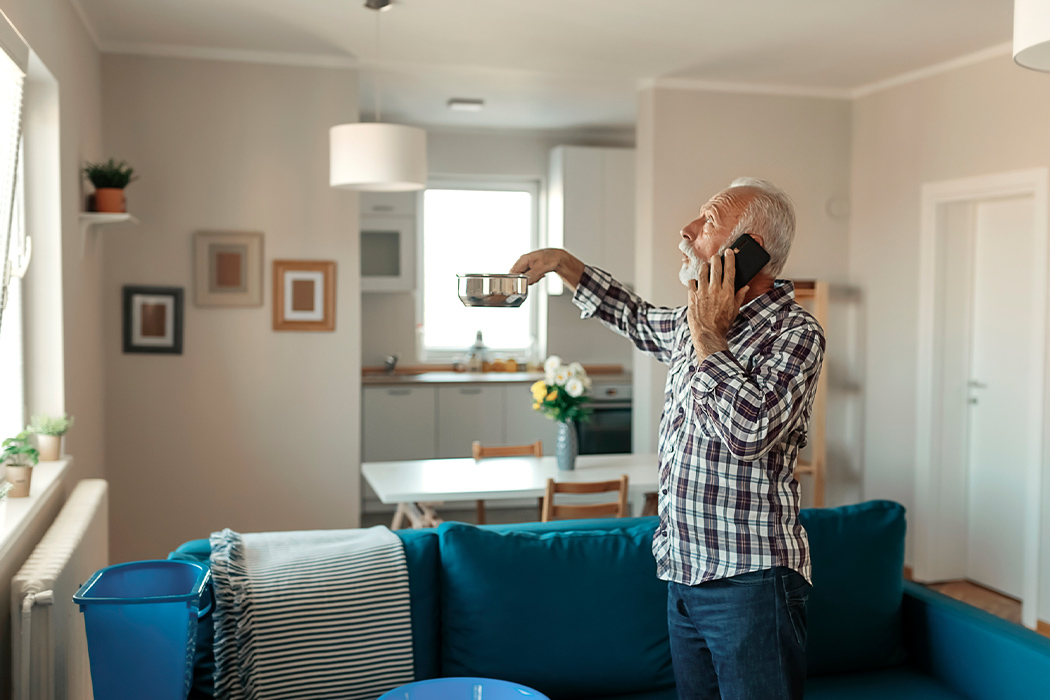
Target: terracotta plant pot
column 50, row 447
column 110, row 200
column 19, row 477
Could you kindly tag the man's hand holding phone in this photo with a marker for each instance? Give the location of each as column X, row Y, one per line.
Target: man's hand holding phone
column 714, row 304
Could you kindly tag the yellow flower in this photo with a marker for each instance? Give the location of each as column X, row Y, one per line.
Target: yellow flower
column 536, row 406
column 553, row 395
column 539, row 390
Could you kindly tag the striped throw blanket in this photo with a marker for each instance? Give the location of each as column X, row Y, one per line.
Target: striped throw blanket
column 321, row 614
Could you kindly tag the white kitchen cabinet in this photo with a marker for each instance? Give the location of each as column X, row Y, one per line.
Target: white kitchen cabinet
column 388, row 241
column 389, row 203
column 591, row 206
column 467, row 413
column 399, row 423
column 524, row 425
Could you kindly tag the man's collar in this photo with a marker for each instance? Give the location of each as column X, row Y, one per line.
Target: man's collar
column 762, row 309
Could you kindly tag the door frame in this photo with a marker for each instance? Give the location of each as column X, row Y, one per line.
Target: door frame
column 937, row 535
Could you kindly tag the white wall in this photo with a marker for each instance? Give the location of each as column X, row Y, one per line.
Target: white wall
column 982, row 119
column 389, row 319
column 249, row 428
column 691, row 144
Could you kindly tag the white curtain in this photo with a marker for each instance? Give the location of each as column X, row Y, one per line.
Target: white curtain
column 13, row 62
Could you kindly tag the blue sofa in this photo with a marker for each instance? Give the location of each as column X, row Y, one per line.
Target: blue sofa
column 575, row 610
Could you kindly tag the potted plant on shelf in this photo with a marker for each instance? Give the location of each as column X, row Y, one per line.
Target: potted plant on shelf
column 562, row 396
column 49, row 431
column 110, row 179
column 19, row 458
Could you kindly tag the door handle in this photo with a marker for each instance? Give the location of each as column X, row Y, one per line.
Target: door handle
column 470, row 392
column 399, row 392
column 971, row 401
column 973, row 383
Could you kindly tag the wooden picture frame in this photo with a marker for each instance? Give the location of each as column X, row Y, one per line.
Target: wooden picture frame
column 227, row 268
column 303, row 295
column 153, row 320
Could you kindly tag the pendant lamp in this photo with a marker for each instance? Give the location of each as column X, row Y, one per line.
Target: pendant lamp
column 1032, row 34
column 377, row 157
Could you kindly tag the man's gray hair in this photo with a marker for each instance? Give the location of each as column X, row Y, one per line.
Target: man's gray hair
column 771, row 215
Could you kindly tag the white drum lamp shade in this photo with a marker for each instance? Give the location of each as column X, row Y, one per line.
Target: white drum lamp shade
column 1032, row 34
column 378, row 157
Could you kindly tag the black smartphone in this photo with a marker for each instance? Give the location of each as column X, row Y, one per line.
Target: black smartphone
column 750, row 259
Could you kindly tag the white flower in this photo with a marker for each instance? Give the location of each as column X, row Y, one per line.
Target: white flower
column 548, row 377
column 574, row 387
column 586, row 382
column 576, row 370
column 561, row 375
column 553, row 362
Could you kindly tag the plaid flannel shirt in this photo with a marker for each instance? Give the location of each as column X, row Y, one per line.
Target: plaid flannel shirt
column 730, row 432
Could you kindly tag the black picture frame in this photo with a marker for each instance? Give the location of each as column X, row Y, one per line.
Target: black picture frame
column 129, row 294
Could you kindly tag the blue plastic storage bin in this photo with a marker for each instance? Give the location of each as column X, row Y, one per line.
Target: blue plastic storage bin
column 141, row 620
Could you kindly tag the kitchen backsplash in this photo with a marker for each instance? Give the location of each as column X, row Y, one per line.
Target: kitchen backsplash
column 388, row 327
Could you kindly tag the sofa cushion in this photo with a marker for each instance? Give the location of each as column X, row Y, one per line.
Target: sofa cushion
column 902, row 683
column 854, row 611
column 569, row 611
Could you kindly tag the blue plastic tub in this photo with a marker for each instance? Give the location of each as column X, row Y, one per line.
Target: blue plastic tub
column 463, row 689
column 141, row 620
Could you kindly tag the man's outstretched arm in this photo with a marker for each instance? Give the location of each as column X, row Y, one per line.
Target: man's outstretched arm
column 652, row 329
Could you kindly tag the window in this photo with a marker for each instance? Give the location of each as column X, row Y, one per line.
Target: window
column 476, row 228
column 14, row 58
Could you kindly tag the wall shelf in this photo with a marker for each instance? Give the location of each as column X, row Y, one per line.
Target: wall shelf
column 91, row 218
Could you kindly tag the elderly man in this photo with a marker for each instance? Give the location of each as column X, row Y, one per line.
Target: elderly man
column 740, row 388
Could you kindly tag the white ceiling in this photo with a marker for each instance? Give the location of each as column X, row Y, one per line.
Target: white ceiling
column 563, row 63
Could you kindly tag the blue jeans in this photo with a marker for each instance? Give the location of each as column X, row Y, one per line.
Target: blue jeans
column 740, row 638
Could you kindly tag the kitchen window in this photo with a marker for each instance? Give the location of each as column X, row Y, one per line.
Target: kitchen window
column 476, row 228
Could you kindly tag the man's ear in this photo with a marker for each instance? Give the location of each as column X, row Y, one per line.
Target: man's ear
column 758, row 239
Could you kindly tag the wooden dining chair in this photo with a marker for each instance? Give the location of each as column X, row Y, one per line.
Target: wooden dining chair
column 617, row 509
column 479, row 452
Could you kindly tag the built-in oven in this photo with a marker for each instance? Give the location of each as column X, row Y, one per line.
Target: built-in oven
column 608, row 430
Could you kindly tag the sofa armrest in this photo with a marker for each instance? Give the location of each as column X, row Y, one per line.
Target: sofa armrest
column 977, row 654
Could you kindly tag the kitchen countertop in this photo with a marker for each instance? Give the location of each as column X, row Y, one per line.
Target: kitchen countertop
column 439, row 378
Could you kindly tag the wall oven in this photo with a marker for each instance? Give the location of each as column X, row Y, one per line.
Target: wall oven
column 608, row 430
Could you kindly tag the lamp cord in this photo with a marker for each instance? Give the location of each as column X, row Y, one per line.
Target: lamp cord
column 376, row 78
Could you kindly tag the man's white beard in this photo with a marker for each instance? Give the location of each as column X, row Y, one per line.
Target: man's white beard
column 690, row 270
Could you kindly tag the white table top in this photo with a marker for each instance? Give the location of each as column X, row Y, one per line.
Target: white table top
column 500, row 478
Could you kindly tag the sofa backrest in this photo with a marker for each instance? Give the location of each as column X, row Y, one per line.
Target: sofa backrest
column 572, row 609
column 854, row 611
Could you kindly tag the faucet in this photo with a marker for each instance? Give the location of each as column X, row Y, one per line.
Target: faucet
column 390, row 363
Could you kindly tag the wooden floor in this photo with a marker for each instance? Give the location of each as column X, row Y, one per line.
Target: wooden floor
column 984, row 598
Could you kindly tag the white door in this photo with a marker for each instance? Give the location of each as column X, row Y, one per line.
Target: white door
column 999, row 391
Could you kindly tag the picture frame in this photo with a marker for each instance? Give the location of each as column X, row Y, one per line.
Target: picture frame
column 227, row 268
column 152, row 320
column 304, row 295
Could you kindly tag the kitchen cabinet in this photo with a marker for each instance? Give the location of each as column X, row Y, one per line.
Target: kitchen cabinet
column 388, row 241
column 524, row 425
column 591, row 206
column 468, row 413
column 398, row 423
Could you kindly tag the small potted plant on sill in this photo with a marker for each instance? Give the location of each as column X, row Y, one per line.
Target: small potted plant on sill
column 562, row 396
column 49, row 431
column 110, row 179
column 19, row 458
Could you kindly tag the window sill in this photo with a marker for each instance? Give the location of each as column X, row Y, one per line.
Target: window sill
column 18, row 514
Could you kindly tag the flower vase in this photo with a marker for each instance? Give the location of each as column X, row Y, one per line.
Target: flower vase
column 567, row 445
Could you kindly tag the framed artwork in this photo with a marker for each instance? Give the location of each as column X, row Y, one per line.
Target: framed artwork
column 227, row 268
column 153, row 320
column 303, row 295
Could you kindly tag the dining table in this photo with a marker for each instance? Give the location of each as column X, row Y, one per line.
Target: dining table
column 417, row 486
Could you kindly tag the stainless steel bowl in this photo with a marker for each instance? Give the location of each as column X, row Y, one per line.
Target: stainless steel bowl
column 494, row 291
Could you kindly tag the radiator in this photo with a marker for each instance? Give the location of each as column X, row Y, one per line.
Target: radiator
column 49, row 646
